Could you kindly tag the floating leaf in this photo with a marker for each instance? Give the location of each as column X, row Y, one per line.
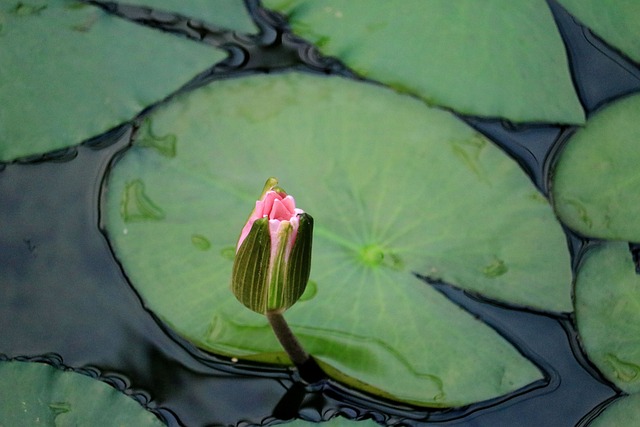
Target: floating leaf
column 596, row 182
column 38, row 394
column 231, row 14
column 394, row 186
column 619, row 413
column 614, row 20
column 608, row 313
column 70, row 71
column 504, row 58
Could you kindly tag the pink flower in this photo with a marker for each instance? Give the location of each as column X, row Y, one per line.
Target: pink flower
column 280, row 208
column 273, row 255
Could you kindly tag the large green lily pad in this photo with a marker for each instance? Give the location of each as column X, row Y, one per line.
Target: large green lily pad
column 614, row 20
column 608, row 313
column 395, row 187
column 620, row 413
column 503, row 58
column 231, row 14
column 69, row 71
column 37, row 394
column 596, row 182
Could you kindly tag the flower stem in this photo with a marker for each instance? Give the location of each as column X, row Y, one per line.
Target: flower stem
column 308, row 368
column 287, row 339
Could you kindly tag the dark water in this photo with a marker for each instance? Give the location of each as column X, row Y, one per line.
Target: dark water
column 65, row 299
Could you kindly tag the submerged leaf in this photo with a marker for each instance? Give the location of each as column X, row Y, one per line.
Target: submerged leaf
column 614, row 20
column 395, row 188
column 596, row 182
column 70, row 71
column 503, row 58
column 608, row 313
column 38, row 394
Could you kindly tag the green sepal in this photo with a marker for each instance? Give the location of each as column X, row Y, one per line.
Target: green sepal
column 290, row 276
column 269, row 185
column 251, row 267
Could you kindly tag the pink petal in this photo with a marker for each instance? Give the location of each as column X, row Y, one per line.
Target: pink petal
column 280, row 211
column 274, row 231
column 256, row 214
column 245, row 232
column 279, row 207
column 258, row 211
column 290, row 204
column 267, row 202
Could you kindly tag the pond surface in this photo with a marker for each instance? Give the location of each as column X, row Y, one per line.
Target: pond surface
column 65, row 298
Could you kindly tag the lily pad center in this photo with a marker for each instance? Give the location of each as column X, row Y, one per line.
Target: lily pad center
column 374, row 255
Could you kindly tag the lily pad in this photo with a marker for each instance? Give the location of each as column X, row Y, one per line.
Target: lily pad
column 69, row 71
column 596, row 182
column 608, row 313
column 614, row 20
column 395, row 187
column 619, row 413
column 231, row 14
column 39, row 394
column 455, row 54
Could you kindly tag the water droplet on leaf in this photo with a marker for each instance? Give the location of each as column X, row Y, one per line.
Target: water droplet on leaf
column 469, row 151
column 310, row 291
column 25, row 9
column 60, row 407
column 374, row 255
column 624, row 371
column 200, row 242
column 495, row 269
column 228, row 253
column 136, row 205
column 165, row 145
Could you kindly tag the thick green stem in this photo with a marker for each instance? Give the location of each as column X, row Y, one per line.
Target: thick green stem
column 287, row 339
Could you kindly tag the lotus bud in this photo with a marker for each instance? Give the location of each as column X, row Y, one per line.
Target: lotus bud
column 273, row 255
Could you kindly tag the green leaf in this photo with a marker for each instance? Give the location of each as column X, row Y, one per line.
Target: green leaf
column 231, row 14
column 91, row 71
column 614, row 20
column 394, row 187
column 608, row 313
column 596, row 182
column 619, row 413
column 501, row 59
column 39, row 394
